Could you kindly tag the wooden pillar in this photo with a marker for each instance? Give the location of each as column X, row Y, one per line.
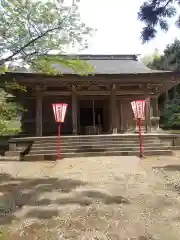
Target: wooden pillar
column 155, row 106
column 113, row 110
column 175, row 91
column 166, row 96
column 39, row 100
column 154, row 102
column 121, row 116
column 118, row 115
column 148, row 114
column 74, row 110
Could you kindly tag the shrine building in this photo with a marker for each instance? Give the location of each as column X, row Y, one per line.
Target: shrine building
column 98, row 103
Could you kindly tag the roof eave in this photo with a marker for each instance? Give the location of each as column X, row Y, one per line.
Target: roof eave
column 143, row 74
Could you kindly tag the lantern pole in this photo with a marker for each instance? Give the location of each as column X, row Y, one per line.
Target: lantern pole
column 59, row 140
column 140, row 138
column 59, row 110
column 138, row 110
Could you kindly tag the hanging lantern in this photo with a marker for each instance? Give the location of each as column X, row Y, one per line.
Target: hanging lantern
column 138, row 108
column 59, row 110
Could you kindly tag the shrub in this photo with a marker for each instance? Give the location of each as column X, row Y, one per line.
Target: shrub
column 170, row 117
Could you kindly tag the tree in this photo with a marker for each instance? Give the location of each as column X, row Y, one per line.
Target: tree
column 151, row 60
column 31, row 30
column 8, row 114
column 171, row 56
column 171, row 113
column 155, row 13
column 169, row 60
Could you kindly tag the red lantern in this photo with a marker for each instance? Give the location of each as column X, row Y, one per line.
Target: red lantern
column 59, row 110
column 138, row 108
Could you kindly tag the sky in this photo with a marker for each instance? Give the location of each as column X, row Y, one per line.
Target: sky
column 118, row 29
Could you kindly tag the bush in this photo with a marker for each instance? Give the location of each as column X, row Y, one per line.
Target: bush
column 6, row 130
column 170, row 117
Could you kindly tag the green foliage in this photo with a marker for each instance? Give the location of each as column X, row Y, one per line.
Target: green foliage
column 149, row 59
column 11, row 85
column 169, row 60
column 29, row 32
column 6, row 130
column 155, row 14
column 9, row 110
column 32, row 29
column 171, row 113
column 8, row 113
column 171, row 56
column 3, row 69
column 47, row 64
column 156, row 63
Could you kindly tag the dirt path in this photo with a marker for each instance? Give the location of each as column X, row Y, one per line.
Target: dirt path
column 89, row 198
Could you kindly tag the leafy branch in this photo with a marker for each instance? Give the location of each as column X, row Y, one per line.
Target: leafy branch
column 154, row 14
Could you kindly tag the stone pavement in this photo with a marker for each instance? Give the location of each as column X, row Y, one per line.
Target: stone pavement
column 90, row 198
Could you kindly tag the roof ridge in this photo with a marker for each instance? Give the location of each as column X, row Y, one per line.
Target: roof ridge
column 99, row 56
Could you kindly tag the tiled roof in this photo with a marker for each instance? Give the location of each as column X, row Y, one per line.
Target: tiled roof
column 101, row 64
column 109, row 64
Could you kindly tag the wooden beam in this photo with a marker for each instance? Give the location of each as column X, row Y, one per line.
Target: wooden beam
column 93, row 93
column 57, row 93
column 115, row 78
column 108, row 93
column 165, row 87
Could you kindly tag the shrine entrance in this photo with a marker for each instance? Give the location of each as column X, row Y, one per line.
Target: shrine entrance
column 92, row 117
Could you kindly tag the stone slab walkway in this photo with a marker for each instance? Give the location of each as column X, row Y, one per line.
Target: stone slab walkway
column 89, row 198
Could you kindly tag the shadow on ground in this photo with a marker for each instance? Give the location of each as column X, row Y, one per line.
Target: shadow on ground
column 19, row 192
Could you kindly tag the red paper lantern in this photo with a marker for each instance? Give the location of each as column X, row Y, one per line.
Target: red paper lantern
column 138, row 108
column 59, row 110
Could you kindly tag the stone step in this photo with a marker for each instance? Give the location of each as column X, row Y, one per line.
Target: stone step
column 96, row 141
column 53, row 156
column 100, row 150
column 101, row 135
column 93, row 144
column 175, row 147
column 94, row 138
column 13, row 153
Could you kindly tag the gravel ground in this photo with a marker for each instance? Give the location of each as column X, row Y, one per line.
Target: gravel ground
column 91, row 198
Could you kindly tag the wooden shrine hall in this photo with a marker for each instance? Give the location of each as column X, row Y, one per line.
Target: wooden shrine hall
column 98, row 103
